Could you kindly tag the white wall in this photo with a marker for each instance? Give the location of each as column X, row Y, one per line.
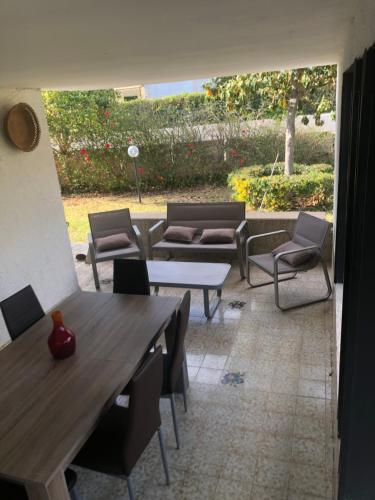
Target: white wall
column 34, row 244
column 361, row 33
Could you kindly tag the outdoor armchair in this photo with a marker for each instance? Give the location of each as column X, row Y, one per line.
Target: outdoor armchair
column 115, row 222
column 308, row 239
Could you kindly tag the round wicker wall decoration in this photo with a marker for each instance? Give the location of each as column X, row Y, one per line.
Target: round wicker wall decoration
column 22, row 127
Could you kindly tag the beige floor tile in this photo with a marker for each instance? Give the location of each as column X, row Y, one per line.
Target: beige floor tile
column 209, row 376
column 308, row 451
column 227, row 489
column 274, row 446
column 214, row 361
column 312, row 388
column 309, row 480
column 272, row 474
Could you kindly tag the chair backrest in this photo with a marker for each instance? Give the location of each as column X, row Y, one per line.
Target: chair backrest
column 177, row 357
column 21, row 310
column 108, row 223
column 130, row 276
column 310, row 230
column 206, row 215
column 143, row 413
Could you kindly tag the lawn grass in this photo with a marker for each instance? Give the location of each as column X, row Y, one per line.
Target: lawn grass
column 77, row 207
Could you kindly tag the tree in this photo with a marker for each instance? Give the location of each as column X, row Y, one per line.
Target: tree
column 279, row 94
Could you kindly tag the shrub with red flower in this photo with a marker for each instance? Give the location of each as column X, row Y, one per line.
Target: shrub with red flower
column 242, row 161
column 141, row 170
column 190, row 145
column 233, row 153
column 107, row 145
column 107, row 114
column 87, row 158
column 189, row 154
column 83, row 151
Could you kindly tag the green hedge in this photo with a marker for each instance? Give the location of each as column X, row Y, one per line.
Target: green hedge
column 311, row 188
column 91, row 131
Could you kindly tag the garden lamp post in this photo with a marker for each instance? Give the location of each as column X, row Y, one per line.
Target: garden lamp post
column 133, row 152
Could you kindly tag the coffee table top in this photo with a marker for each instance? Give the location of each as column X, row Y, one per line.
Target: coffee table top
column 187, row 274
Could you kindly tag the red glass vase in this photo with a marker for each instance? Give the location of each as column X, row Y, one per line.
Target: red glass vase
column 61, row 342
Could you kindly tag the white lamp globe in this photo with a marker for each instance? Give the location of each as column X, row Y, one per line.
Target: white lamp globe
column 133, row 151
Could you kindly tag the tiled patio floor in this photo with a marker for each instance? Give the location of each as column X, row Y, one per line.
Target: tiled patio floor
column 267, row 438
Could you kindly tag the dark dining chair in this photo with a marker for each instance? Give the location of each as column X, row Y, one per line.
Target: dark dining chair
column 124, row 433
column 130, row 276
column 174, row 363
column 21, row 310
column 13, row 491
column 112, row 223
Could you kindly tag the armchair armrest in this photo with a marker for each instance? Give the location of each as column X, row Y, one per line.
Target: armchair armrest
column 151, row 235
column 242, row 227
column 263, row 235
column 139, row 241
column 159, row 225
column 241, row 232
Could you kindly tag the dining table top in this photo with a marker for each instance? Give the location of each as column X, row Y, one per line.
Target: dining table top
column 48, row 408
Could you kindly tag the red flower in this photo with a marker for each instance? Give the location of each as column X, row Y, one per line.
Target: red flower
column 87, row 158
column 233, row 153
column 107, row 114
column 107, row 146
column 141, row 170
column 190, row 145
column 189, row 154
column 83, row 151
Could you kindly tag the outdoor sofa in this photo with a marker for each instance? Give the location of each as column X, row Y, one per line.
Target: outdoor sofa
column 201, row 216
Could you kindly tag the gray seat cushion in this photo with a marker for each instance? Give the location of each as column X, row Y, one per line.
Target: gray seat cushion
column 132, row 249
column 266, row 260
column 194, row 246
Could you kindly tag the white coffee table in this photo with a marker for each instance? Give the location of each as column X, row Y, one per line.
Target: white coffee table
column 194, row 275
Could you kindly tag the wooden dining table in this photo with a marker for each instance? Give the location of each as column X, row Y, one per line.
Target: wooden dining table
column 49, row 408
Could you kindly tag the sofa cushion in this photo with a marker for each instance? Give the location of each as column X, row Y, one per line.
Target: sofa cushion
column 112, row 242
column 222, row 235
column 180, row 233
column 294, row 259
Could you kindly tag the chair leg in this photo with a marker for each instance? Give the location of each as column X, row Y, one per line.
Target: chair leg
column 73, row 494
column 130, row 488
column 241, row 260
column 175, row 426
column 163, row 455
column 184, row 385
column 94, row 268
column 307, row 302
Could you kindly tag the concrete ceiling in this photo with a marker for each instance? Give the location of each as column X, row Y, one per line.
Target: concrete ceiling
column 113, row 43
